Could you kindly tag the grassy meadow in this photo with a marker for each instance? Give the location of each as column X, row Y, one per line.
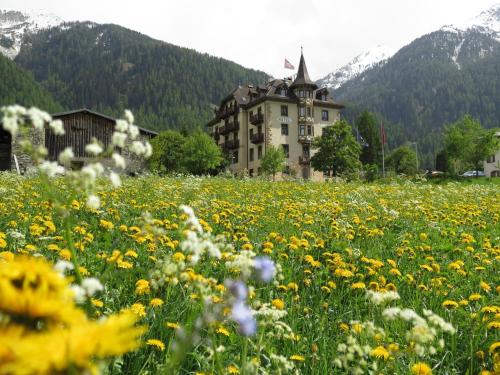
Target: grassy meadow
column 397, row 277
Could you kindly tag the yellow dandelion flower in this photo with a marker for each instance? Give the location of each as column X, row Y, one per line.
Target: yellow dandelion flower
column 278, row 303
column 172, row 325
column 158, row 344
column 358, row 285
column 96, row 302
column 449, row 304
column 475, row 297
column 421, row 369
column 380, row 352
column 232, row 369
column 297, row 358
column 138, row 309
column 156, row 302
column 222, row 330
column 485, row 286
column 142, row 287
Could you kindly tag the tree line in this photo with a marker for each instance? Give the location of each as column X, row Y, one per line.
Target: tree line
column 343, row 150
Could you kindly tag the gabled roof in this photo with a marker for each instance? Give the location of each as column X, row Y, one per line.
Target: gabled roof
column 302, row 75
column 86, row 110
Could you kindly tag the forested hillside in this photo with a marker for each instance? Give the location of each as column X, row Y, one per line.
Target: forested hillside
column 18, row 86
column 435, row 80
column 109, row 68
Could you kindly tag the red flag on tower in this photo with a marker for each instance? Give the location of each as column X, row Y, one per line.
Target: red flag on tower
column 288, row 65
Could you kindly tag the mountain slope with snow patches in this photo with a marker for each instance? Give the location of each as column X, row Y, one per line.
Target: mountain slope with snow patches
column 356, row 66
column 15, row 24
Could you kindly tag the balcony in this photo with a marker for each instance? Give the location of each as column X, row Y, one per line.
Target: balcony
column 257, row 138
column 307, row 139
column 228, row 111
column 230, row 126
column 304, row 160
column 231, row 144
column 257, row 118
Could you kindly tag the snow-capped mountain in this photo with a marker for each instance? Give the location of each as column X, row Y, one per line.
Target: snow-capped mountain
column 362, row 62
column 15, row 24
column 488, row 23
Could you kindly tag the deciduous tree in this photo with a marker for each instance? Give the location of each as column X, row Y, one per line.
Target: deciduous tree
column 337, row 150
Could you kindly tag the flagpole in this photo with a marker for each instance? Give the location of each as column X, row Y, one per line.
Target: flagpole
column 382, row 139
column 383, row 162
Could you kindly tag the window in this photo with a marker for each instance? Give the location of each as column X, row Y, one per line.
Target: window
column 284, row 129
column 323, row 97
column 251, row 113
column 286, row 170
column 302, row 130
column 491, row 159
column 308, row 111
column 235, row 157
column 286, row 150
column 251, row 154
column 309, row 130
column 281, row 91
column 259, row 152
column 251, row 133
column 284, row 110
column 302, row 111
column 301, row 93
column 226, row 138
column 250, row 172
column 259, row 129
column 324, row 115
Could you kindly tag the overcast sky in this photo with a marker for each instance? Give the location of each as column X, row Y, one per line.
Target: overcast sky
column 261, row 33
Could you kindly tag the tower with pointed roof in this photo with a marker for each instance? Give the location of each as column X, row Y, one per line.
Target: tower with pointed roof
column 279, row 113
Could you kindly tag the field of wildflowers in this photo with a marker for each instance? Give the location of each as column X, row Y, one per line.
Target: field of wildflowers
column 390, row 278
column 193, row 275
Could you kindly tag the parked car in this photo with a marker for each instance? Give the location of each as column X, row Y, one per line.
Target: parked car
column 473, row 174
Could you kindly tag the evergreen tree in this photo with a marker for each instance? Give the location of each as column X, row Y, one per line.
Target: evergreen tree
column 337, row 150
column 273, row 161
column 369, row 137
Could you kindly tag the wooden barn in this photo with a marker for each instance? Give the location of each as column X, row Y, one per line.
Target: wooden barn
column 80, row 127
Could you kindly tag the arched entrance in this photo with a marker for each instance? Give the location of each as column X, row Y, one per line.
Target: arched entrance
column 495, row 174
column 5, row 149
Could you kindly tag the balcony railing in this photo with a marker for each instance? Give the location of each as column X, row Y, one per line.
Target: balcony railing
column 231, row 144
column 228, row 111
column 230, row 126
column 305, row 138
column 304, row 160
column 257, row 118
column 257, row 138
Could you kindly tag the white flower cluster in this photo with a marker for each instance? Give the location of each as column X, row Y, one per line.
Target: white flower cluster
column 243, row 263
column 354, row 358
column 381, row 298
column 125, row 129
column 424, row 331
column 89, row 286
column 87, row 289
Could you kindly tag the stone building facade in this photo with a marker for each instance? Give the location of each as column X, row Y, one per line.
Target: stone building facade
column 80, row 127
column 281, row 113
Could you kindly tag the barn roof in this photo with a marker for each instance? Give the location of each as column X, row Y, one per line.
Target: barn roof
column 55, row 115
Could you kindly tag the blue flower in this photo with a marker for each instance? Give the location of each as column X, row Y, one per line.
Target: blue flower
column 265, row 269
column 242, row 315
